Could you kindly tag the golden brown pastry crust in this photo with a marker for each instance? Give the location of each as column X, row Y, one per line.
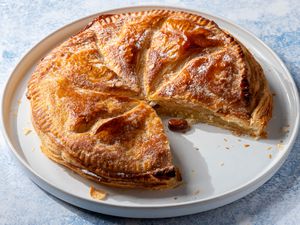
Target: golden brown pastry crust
column 89, row 95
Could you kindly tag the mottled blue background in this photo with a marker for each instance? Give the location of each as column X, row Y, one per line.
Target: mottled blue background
column 23, row 23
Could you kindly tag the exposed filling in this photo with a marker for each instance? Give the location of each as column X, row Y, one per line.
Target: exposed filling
column 201, row 115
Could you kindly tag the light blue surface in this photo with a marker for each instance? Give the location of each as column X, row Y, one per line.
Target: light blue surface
column 24, row 23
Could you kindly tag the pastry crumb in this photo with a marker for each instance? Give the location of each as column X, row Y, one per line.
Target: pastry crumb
column 97, row 194
column 225, row 140
column 197, row 149
column 197, row 192
column 227, row 148
column 246, row 145
column 26, row 131
column 239, row 140
column 269, row 148
column 178, row 125
column 270, row 156
column 222, row 164
column 285, row 129
column 280, row 146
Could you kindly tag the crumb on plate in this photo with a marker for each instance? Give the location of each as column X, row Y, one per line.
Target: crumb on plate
column 285, row 129
column 197, row 192
column 270, row 156
column 280, row 146
column 26, row 131
column 97, row 194
column 246, row 145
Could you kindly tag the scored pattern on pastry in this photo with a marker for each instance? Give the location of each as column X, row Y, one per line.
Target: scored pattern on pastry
column 90, row 96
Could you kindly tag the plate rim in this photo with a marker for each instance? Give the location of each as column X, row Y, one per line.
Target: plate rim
column 262, row 177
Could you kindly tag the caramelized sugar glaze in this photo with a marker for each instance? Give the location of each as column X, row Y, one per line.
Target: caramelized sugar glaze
column 90, row 96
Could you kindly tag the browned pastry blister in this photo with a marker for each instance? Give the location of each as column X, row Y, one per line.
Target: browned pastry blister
column 91, row 96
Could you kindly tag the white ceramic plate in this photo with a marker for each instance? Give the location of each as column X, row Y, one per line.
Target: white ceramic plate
column 217, row 167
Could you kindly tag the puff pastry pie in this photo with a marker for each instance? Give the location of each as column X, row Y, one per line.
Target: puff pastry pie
column 91, row 96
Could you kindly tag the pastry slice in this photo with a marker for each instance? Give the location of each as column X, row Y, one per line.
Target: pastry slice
column 113, row 140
